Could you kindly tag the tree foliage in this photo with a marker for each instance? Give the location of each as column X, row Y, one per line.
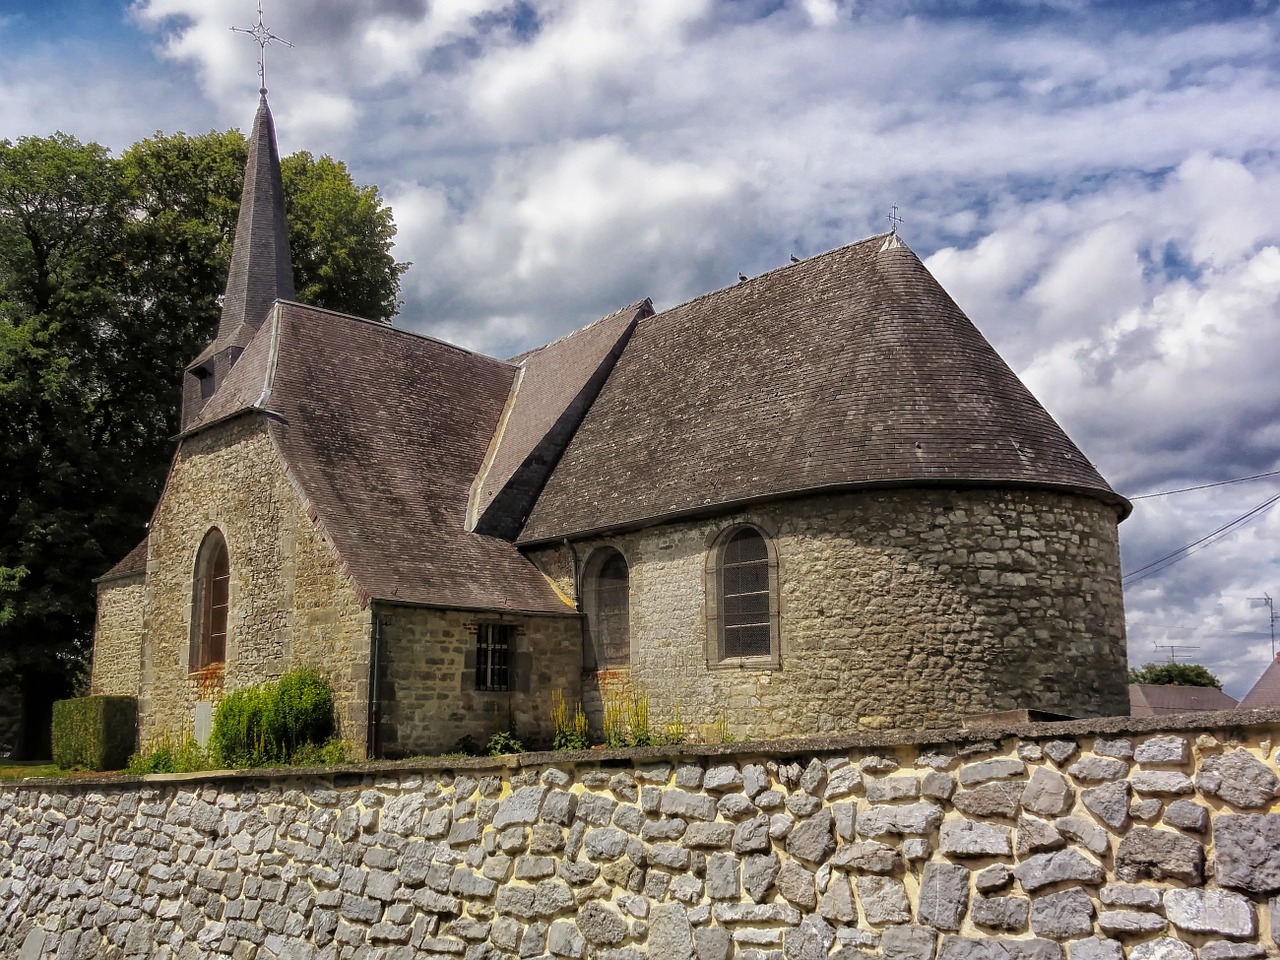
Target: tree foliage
column 111, row 273
column 1176, row 674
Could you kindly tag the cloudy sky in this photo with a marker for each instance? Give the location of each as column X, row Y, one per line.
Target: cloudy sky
column 1096, row 183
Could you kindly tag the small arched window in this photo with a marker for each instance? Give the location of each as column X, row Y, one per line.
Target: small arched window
column 210, row 602
column 742, row 585
column 609, row 610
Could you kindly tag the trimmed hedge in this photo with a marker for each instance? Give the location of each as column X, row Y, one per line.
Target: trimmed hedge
column 94, row 733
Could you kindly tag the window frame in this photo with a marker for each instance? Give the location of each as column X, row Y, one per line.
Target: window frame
column 715, row 600
column 210, row 604
column 485, row 670
column 592, row 584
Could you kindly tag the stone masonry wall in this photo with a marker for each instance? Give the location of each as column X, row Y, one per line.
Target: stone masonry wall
column 907, row 609
column 1089, row 841
column 291, row 604
column 429, row 699
column 117, row 637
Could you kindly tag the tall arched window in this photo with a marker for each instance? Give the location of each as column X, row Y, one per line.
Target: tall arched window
column 210, row 601
column 609, row 610
column 742, row 589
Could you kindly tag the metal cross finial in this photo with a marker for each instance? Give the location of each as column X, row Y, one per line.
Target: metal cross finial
column 262, row 33
column 894, row 219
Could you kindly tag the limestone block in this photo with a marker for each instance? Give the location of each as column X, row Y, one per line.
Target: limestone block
column 689, row 806
column 1084, row 832
column 1165, row 783
column 922, row 817
column 751, row 836
column 883, row 899
column 1109, row 803
column 1129, row 895
column 1240, row 779
column 993, row 878
column 887, row 789
column 1047, row 793
column 908, row 942
column 796, row 884
column 711, row 943
column 995, row 799
column 523, row 806
column 1163, row 948
column 1001, row 913
column 1211, row 911
column 1044, row 869
column 813, row 840
column 1130, row 922
column 1226, row 950
column 971, row 838
column 669, row 932
column 1001, row 768
column 811, row 940
column 1095, row 769
column 1096, row 948
column 722, row 877
column 1187, row 815
column 758, row 873
column 1059, row 916
column 842, row 782
column 1121, row 747
column 1163, row 749
column 1159, row 854
column 722, row 778
column 1036, row 834
column 868, row 856
column 944, row 896
column 837, row 904
column 1060, row 751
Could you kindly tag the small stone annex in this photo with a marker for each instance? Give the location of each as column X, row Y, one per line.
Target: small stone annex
column 812, row 502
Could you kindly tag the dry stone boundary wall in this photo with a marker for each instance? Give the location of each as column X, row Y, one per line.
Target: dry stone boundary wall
column 1094, row 840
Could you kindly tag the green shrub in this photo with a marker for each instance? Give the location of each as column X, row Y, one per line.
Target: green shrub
column 165, row 754
column 269, row 723
column 94, row 733
column 331, row 753
column 502, row 743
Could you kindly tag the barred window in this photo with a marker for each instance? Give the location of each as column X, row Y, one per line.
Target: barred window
column 494, row 642
column 211, row 598
column 609, row 612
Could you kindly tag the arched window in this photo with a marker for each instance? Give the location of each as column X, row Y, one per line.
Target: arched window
column 742, row 586
column 210, row 601
column 609, row 610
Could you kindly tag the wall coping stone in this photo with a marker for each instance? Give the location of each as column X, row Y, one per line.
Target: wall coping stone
column 954, row 737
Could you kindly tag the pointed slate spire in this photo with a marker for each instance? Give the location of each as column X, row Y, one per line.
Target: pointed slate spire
column 261, row 268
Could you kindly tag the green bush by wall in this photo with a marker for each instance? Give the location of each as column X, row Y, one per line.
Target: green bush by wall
column 94, row 733
column 268, row 723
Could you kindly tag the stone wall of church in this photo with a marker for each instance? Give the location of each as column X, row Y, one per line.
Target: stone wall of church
column 117, row 637
column 429, row 699
column 290, row 603
column 907, row 609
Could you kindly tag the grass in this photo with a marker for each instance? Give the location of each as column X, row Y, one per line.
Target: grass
column 19, row 770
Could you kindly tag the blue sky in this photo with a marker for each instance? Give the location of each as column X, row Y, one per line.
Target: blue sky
column 1097, row 184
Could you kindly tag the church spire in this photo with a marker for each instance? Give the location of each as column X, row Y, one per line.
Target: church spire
column 261, row 267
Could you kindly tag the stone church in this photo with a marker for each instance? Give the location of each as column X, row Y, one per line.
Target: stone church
column 812, row 502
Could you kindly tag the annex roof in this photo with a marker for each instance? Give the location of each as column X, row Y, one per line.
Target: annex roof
column 383, row 432
column 553, row 390
column 1266, row 691
column 853, row 368
column 1154, row 699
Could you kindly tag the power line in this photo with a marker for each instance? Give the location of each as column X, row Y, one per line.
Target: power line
column 1169, row 559
column 1206, row 486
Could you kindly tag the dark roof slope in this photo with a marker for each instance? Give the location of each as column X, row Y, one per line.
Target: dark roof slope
column 1266, row 692
column 1154, row 699
column 134, row 564
column 555, row 386
column 383, row 432
column 852, row 368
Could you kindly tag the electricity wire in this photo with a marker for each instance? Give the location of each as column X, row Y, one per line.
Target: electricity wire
column 1206, row 486
column 1208, row 540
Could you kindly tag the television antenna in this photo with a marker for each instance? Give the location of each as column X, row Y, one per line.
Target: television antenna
column 1266, row 601
column 1176, row 651
column 262, row 33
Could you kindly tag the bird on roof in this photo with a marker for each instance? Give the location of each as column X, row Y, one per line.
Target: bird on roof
column 794, row 258
column 742, row 278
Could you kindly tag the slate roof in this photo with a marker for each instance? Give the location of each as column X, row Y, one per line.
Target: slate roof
column 555, row 386
column 383, row 432
column 1266, row 692
column 134, row 564
column 1154, row 700
column 850, row 369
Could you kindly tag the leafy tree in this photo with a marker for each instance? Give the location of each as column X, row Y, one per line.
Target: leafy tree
column 1177, row 674
column 111, row 273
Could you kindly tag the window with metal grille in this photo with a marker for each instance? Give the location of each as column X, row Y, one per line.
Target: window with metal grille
column 746, row 624
column 210, row 603
column 493, row 655
column 611, row 612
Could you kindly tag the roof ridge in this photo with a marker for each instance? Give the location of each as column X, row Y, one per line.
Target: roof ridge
column 786, row 266
column 635, row 305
